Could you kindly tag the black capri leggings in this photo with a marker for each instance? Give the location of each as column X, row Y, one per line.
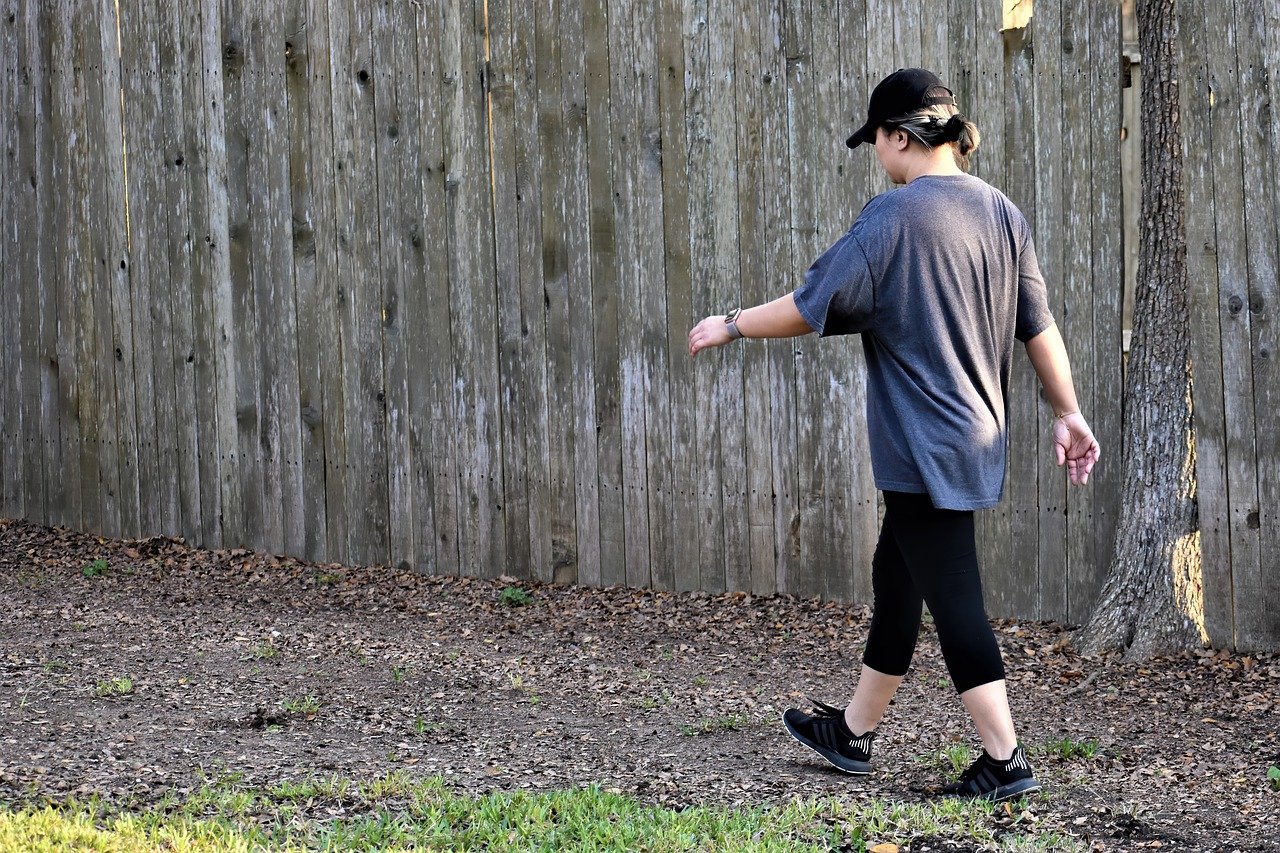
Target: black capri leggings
column 928, row 555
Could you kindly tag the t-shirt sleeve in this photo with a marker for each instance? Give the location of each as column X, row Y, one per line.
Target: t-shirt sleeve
column 1033, row 302
column 837, row 296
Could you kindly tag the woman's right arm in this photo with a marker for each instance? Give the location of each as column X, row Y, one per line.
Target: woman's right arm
column 1074, row 443
column 777, row 319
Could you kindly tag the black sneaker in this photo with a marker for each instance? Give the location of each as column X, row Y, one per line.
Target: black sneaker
column 997, row 781
column 825, row 733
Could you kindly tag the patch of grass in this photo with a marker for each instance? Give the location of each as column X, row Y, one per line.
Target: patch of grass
column 1273, row 777
column 514, row 596
column 422, row 727
column 1051, row 842
column 327, row 578
column 956, row 758
column 399, row 812
column 55, row 666
column 265, row 651
column 398, row 673
column 301, row 705
column 699, row 681
column 729, row 723
column 95, row 569
column 1067, row 749
column 121, row 686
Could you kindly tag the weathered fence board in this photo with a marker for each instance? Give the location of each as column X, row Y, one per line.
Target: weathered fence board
column 409, row 282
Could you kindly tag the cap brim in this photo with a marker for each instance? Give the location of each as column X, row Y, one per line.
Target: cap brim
column 866, row 133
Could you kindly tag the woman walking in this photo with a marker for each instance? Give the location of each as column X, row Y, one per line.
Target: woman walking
column 940, row 278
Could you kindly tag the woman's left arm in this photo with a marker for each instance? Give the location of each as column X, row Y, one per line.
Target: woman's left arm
column 777, row 319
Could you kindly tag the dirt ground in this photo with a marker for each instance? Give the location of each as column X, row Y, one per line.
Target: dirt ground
column 243, row 663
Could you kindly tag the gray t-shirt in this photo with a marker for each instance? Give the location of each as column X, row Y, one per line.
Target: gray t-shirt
column 940, row 277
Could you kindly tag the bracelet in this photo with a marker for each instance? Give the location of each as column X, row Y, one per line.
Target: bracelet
column 1066, row 415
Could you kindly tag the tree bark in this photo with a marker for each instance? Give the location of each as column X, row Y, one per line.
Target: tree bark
column 1152, row 602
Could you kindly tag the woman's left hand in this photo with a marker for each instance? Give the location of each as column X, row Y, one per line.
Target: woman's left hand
column 711, row 332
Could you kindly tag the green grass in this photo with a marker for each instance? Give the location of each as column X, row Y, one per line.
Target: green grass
column 514, row 596
column 105, row 687
column 1273, row 777
column 1067, row 749
column 301, row 705
column 95, row 569
column 398, row 812
column 956, row 758
column 730, row 723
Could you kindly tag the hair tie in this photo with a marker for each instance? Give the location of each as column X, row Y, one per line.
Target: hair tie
column 953, row 128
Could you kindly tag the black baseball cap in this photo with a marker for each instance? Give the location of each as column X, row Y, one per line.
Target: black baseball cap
column 904, row 91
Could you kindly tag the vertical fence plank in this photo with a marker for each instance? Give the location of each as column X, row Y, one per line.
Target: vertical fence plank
column 193, row 197
column 120, row 496
column 1025, row 421
column 169, row 157
column 1206, row 339
column 838, row 396
column 555, row 118
column 625, row 123
column 1076, row 320
column 757, row 573
column 706, row 465
column 527, row 20
column 145, row 140
column 1264, row 621
column 321, row 309
column 581, row 111
column 816, row 557
column 727, row 389
column 273, row 250
column 852, row 178
column 434, row 434
column 306, row 110
column 512, row 357
column 269, row 304
column 12, row 405
column 605, row 283
column 240, row 143
column 1235, row 318
column 651, row 380
column 399, row 265
column 1107, row 290
column 65, row 109
column 1045, row 142
column 1257, row 593
column 44, row 450
column 474, row 332
column 782, row 271
column 679, row 513
column 354, row 96
column 219, row 53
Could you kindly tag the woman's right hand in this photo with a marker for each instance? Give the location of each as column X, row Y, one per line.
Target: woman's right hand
column 711, row 332
column 1075, row 446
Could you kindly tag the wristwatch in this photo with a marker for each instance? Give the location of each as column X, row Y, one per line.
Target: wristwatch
column 731, row 323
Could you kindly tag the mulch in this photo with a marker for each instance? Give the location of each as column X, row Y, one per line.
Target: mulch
column 273, row 668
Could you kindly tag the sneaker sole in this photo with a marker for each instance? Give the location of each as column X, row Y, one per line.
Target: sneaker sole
column 1012, row 791
column 835, row 759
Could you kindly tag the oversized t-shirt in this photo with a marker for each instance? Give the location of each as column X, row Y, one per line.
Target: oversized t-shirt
column 940, row 277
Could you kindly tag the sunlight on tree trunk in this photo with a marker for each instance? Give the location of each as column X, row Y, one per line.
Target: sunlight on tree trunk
column 1153, row 600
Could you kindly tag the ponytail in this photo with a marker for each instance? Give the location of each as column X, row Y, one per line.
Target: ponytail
column 940, row 125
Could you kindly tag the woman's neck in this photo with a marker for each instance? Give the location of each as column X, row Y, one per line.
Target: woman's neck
column 937, row 161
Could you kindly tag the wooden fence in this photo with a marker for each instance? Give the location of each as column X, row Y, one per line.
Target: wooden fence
column 408, row 282
column 1230, row 88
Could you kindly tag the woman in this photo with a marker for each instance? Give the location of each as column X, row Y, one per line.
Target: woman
column 939, row 277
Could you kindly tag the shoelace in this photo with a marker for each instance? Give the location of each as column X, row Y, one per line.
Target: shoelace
column 822, row 709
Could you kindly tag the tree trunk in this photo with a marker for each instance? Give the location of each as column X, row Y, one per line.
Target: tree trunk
column 1152, row 602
